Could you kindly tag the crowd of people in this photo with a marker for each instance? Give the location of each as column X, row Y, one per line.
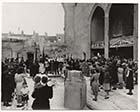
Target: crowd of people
column 14, row 83
column 113, row 73
column 108, row 74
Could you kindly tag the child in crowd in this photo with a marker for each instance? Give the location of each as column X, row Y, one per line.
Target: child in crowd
column 94, row 82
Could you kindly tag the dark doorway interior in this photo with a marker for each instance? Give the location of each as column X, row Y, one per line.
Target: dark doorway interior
column 124, row 52
column 95, row 51
column 97, row 25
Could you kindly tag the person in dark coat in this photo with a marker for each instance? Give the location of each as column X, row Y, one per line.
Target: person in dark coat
column 6, row 97
column 106, row 83
column 7, row 85
column 42, row 93
column 114, row 75
column 129, row 80
column 52, row 66
column 56, row 67
column 32, row 68
column 101, row 77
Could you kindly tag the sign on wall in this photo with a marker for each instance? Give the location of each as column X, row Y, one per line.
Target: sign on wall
column 97, row 45
column 117, row 42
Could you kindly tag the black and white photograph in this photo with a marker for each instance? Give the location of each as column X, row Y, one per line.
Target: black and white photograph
column 69, row 56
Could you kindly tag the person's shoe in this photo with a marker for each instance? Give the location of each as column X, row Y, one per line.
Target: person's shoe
column 114, row 88
column 20, row 105
column 129, row 93
column 101, row 88
column 120, row 87
column 94, row 99
column 7, row 104
column 4, row 104
column 107, row 97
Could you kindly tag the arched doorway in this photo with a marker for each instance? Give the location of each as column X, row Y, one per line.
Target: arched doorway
column 97, row 31
column 121, row 30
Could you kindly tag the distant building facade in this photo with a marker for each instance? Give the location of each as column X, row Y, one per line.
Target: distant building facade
column 27, row 46
column 110, row 29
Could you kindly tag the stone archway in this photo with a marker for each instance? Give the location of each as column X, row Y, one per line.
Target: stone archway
column 97, row 25
column 121, row 25
column 97, row 30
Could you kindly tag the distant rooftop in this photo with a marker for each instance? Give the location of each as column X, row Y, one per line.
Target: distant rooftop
column 23, row 36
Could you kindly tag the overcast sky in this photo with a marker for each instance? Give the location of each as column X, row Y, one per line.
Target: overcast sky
column 41, row 17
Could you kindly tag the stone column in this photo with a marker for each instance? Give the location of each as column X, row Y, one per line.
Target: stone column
column 135, row 33
column 69, row 25
column 106, row 36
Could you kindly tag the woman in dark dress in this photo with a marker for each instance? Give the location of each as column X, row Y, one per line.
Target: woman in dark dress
column 42, row 93
column 129, row 80
column 114, row 75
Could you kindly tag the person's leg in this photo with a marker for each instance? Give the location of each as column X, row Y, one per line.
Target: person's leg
column 95, row 97
column 19, row 101
column 114, row 86
column 107, row 94
column 136, row 78
column 130, row 92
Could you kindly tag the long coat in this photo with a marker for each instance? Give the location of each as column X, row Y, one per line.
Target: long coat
column 114, row 75
column 42, row 96
column 129, row 80
column 106, row 82
column 7, row 85
column 101, row 77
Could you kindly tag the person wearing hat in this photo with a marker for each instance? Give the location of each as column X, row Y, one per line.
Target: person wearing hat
column 42, row 93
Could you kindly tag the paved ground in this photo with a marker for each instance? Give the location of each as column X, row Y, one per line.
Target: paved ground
column 118, row 99
column 57, row 102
